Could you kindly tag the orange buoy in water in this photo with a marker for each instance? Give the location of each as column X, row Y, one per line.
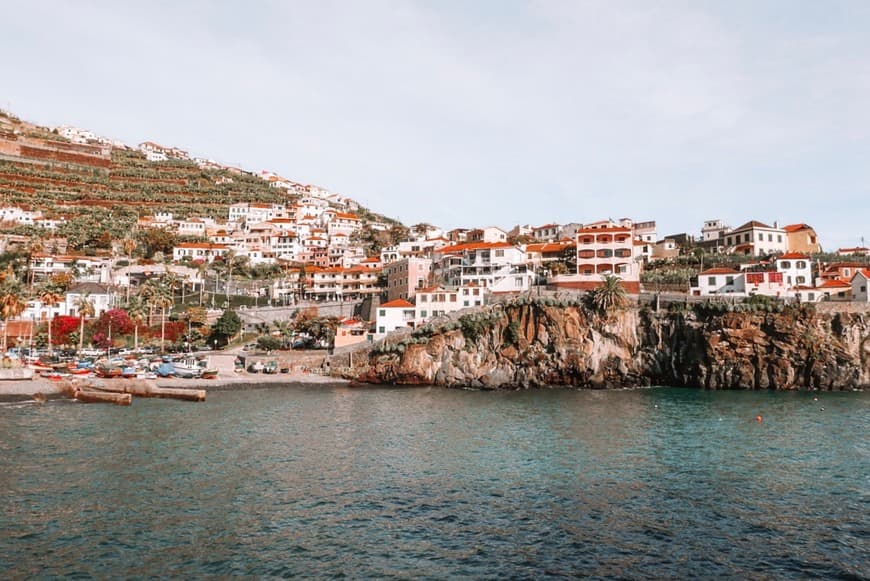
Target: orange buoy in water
column 758, row 418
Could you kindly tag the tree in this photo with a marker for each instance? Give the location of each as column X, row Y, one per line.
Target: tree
column 611, row 294
column 12, row 303
column 137, row 310
column 268, row 343
column 157, row 240
column 49, row 297
column 115, row 321
column 86, row 309
column 226, row 327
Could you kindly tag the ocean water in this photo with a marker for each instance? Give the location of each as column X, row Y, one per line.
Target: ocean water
column 432, row 483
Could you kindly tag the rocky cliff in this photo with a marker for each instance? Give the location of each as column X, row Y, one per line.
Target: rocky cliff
column 539, row 343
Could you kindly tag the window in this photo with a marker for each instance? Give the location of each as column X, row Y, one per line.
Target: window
column 746, row 237
column 801, row 264
column 382, row 313
column 760, row 236
column 770, row 238
column 729, row 280
column 381, row 330
column 499, row 253
column 464, row 303
column 779, row 237
column 800, row 280
column 785, row 264
column 423, row 314
column 711, row 281
column 424, row 298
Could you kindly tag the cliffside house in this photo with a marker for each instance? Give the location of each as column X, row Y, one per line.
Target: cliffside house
column 796, row 268
column 860, row 286
column 603, row 248
column 756, row 239
column 394, row 315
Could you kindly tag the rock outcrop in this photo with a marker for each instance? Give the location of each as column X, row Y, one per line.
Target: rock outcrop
column 545, row 343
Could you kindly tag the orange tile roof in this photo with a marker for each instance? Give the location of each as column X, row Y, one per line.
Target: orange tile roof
column 796, row 227
column 835, row 284
column 544, row 247
column 793, row 256
column 473, row 246
column 395, row 304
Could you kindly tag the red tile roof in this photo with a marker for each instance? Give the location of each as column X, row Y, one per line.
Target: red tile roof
column 835, row 284
column 796, row 227
column 471, row 246
column 793, row 256
column 395, row 304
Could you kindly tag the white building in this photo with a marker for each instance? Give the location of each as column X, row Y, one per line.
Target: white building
column 756, row 239
column 19, row 215
column 100, row 296
column 796, row 268
column 488, row 234
column 714, row 229
column 720, row 281
column 860, row 286
column 394, row 315
column 199, row 251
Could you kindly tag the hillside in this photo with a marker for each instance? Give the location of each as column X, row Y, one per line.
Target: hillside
column 40, row 169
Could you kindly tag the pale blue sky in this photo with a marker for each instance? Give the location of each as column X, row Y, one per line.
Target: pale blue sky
column 467, row 113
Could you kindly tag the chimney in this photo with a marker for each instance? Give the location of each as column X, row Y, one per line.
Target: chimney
column 776, row 223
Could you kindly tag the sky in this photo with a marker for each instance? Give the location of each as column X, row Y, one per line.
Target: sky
column 467, row 113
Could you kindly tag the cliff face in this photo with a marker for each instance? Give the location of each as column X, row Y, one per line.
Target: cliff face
column 536, row 344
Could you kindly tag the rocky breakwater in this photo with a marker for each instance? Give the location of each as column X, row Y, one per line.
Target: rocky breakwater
column 529, row 343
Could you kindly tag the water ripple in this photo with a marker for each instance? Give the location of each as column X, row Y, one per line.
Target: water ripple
column 428, row 483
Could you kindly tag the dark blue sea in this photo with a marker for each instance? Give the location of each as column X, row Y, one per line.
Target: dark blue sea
column 431, row 483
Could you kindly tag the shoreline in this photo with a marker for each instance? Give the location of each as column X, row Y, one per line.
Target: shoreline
column 18, row 389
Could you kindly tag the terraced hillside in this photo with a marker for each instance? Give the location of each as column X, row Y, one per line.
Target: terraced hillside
column 130, row 180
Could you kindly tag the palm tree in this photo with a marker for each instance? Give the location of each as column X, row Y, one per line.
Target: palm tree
column 35, row 246
column 85, row 307
column 230, row 258
column 49, row 297
column 611, row 294
column 162, row 299
column 12, row 304
column 137, row 311
column 202, row 269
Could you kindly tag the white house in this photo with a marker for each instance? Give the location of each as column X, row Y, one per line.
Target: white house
column 720, row 281
column 394, row 315
column 99, row 295
column 756, row 239
column 488, row 234
column 860, row 285
column 796, row 268
column 199, row 251
column 436, row 301
column 714, row 230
